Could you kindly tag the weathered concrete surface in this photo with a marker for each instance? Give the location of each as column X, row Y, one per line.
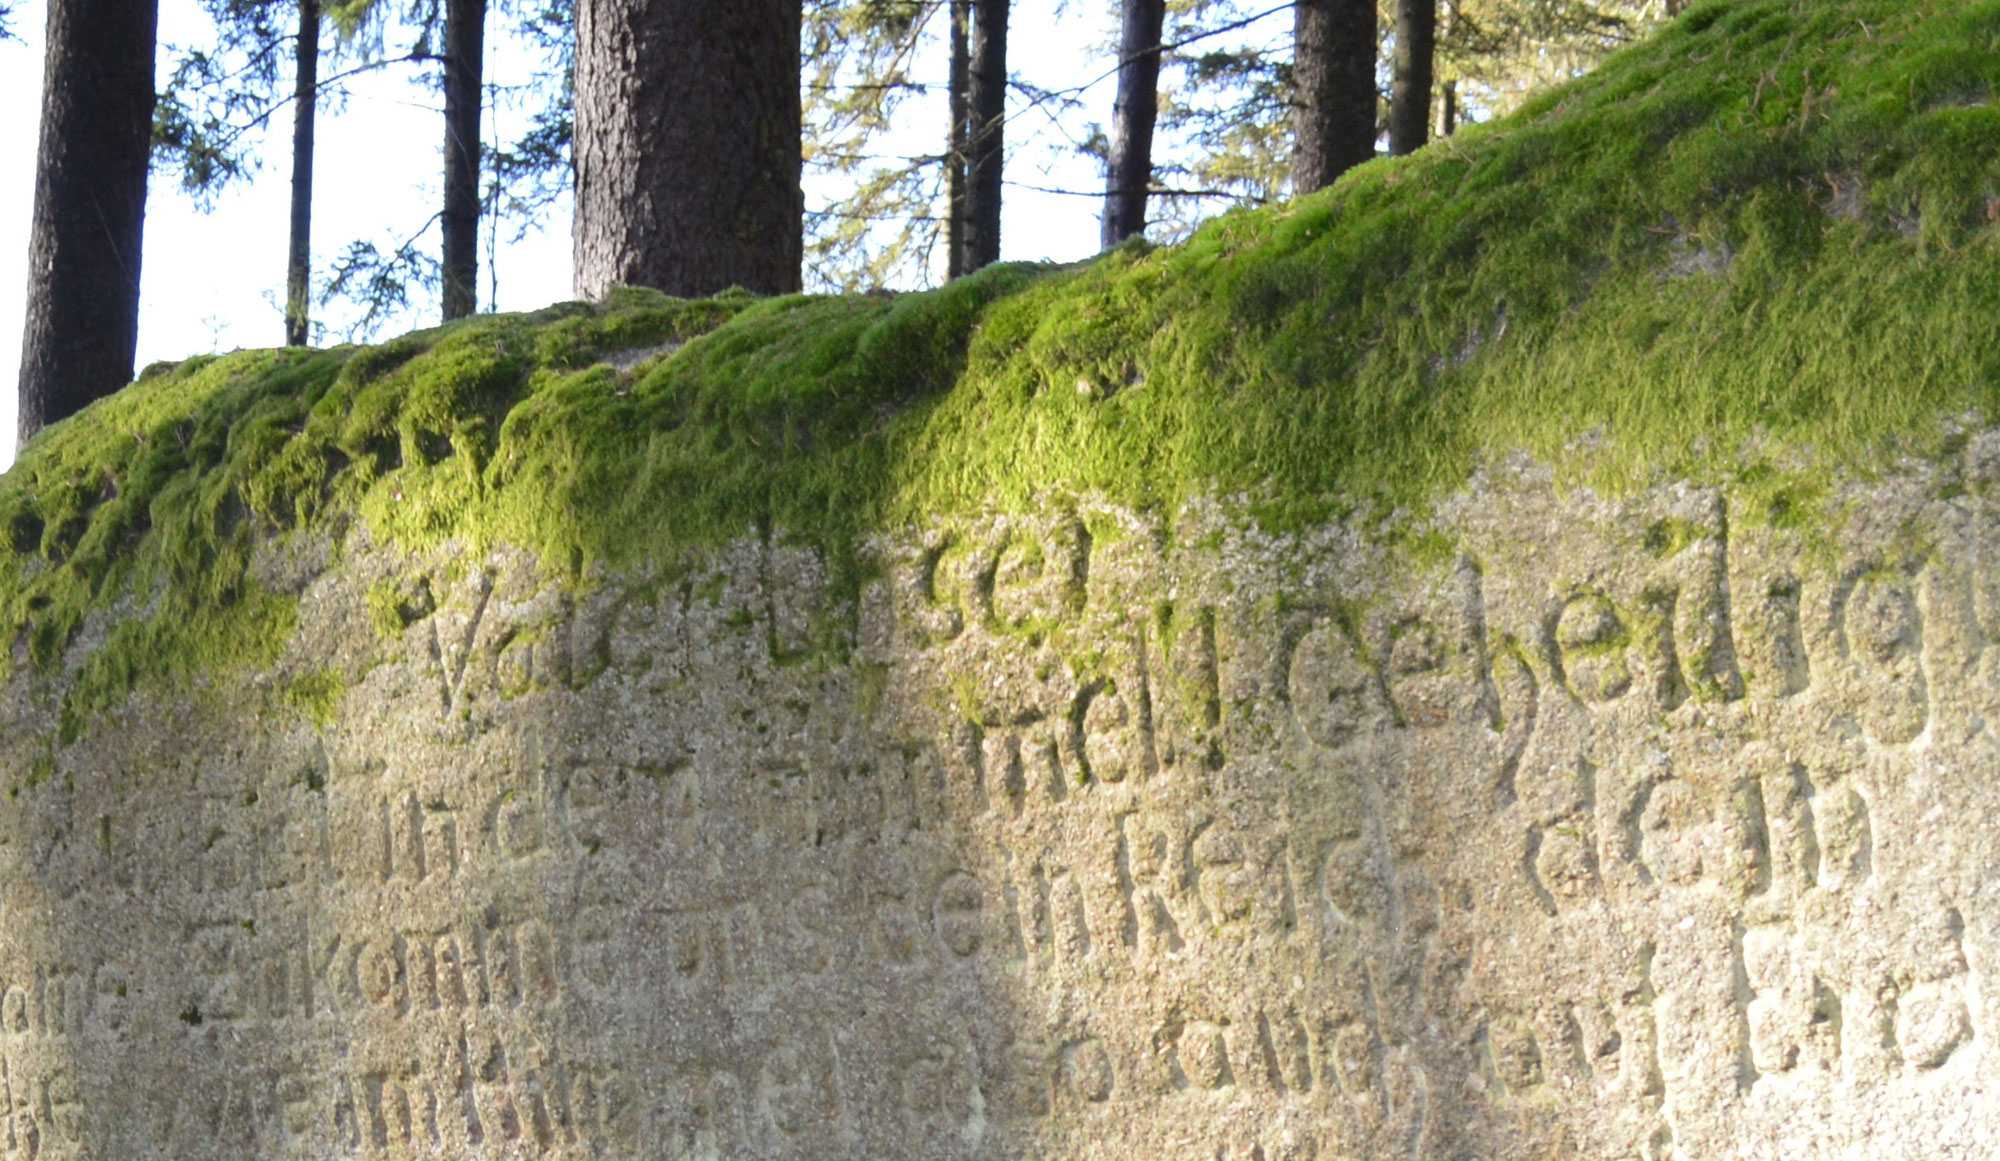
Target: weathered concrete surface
column 1613, row 830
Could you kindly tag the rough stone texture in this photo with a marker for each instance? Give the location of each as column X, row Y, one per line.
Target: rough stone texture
column 1617, row 829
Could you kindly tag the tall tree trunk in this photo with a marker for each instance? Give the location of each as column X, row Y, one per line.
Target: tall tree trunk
column 687, row 146
column 1410, row 93
column 1333, row 116
column 305, row 104
column 1447, row 114
column 90, row 207
column 961, row 104
column 986, row 100
column 464, row 86
column 1129, row 168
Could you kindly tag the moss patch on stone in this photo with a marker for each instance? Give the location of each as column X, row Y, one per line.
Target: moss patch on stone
column 1771, row 226
column 317, row 694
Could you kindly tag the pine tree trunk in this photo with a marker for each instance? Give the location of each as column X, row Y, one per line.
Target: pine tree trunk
column 90, row 207
column 305, row 104
column 1129, row 167
column 1410, row 94
column 464, row 87
column 986, row 99
column 1447, row 102
column 960, row 101
column 1333, row 116
column 687, row 149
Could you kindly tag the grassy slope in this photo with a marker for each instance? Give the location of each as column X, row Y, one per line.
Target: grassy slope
column 1775, row 221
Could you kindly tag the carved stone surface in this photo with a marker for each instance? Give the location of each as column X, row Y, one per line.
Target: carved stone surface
column 1621, row 829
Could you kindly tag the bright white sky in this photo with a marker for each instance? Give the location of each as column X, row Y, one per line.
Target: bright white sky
column 213, row 281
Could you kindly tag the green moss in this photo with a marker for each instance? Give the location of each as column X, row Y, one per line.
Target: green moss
column 394, row 604
column 871, row 687
column 1666, row 537
column 317, row 695
column 250, row 628
column 384, row 612
column 1772, row 225
column 966, row 700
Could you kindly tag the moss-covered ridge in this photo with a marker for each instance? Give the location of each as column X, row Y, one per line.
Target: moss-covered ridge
column 1773, row 221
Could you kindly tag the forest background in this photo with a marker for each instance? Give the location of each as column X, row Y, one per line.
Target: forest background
column 874, row 91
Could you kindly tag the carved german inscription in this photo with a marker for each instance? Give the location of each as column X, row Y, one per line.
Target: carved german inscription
column 1620, row 829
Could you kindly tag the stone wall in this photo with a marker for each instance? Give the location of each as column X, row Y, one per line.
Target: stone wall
column 1562, row 827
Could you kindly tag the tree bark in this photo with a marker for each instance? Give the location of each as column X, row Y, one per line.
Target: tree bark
column 464, row 88
column 687, row 149
column 305, row 105
column 1129, row 167
column 959, row 80
column 986, row 100
column 1410, row 94
column 89, row 220
column 1334, row 109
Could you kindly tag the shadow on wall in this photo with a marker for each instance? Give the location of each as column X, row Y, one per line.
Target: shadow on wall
column 696, row 865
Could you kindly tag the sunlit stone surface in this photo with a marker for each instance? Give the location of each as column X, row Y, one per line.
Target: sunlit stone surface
column 1559, row 828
